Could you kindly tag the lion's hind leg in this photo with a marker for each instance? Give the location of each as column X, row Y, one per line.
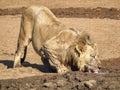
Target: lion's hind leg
column 20, row 53
column 23, row 41
column 18, row 60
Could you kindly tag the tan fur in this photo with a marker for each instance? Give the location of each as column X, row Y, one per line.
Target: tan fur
column 69, row 48
column 38, row 24
column 53, row 41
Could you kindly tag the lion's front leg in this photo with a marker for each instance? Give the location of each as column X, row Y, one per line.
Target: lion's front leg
column 62, row 69
column 59, row 66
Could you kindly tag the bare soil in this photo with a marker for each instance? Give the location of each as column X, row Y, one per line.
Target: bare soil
column 79, row 12
column 108, row 79
column 60, row 3
column 99, row 18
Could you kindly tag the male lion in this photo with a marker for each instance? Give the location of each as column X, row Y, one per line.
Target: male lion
column 54, row 42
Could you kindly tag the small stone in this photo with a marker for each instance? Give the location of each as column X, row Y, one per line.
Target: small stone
column 48, row 84
column 68, row 77
column 77, row 78
column 90, row 84
column 61, row 83
column 79, row 86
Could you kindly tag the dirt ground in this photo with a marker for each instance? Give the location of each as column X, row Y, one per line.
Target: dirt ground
column 99, row 18
column 60, row 3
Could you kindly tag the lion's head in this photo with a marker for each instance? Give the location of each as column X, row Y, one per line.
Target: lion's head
column 84, row 54
column 88, row 60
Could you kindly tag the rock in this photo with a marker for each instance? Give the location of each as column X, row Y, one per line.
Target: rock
column 79, row 86
column 61, row 83
column 77, row 78
column 49, row 84
column 68, row 77
column 90, row 84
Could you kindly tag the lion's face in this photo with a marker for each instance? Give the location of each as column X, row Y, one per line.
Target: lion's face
column 88, row 60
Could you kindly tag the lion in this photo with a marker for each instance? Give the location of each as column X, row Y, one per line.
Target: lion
column 33, row 18
column 55, row 43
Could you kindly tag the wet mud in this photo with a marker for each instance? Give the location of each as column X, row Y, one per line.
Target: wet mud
column 107, row 79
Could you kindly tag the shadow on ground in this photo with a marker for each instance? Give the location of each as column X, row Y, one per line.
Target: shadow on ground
column 8, row 63
column 42, row 68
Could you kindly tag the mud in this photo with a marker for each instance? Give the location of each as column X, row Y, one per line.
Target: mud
column 80, row 12
column 107, row 79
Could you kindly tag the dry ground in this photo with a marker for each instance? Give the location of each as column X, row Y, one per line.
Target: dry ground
column 103, row 24
column 61, row 3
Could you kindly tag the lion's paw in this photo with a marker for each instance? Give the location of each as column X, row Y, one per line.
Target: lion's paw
column 63, row 70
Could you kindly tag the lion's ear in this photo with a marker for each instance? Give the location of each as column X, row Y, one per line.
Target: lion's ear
column 80, row 48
